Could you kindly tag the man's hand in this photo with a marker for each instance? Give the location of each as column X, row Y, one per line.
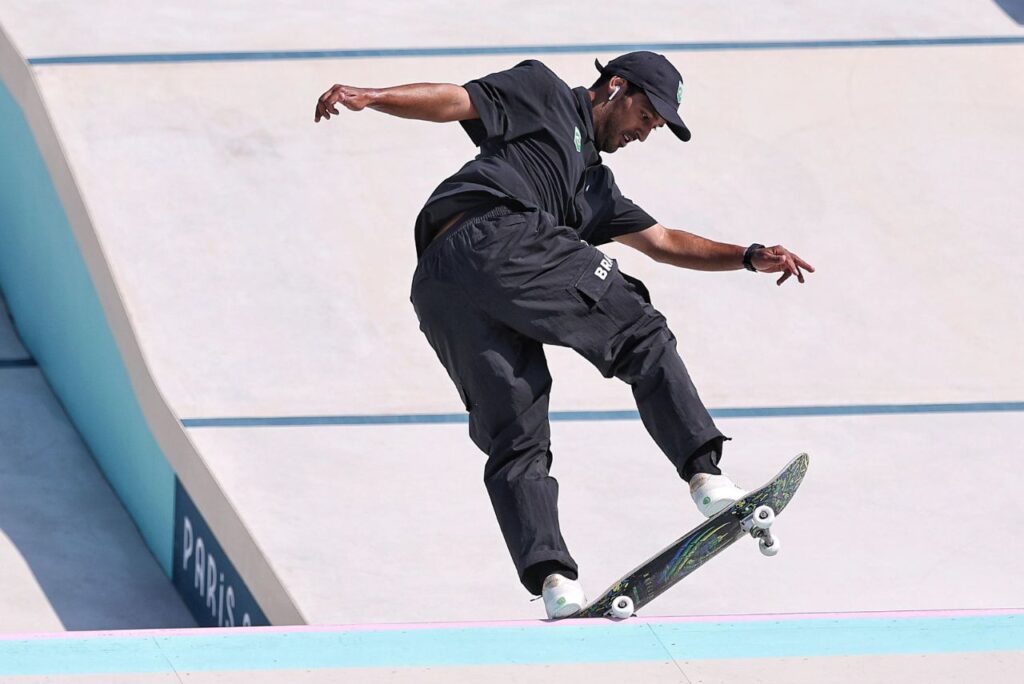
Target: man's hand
column 349, row 97
column 779, row 259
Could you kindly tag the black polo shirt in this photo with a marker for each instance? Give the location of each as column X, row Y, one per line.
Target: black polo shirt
column 536, row 140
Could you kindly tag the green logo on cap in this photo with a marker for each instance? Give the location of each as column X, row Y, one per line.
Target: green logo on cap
column 679, row 93
column 578, row 139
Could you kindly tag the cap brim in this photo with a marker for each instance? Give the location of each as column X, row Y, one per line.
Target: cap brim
column 671, row 117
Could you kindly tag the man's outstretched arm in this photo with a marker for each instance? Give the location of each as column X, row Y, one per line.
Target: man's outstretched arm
column 438, row 102
column 686, row 250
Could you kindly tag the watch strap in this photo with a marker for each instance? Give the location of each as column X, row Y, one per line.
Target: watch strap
column 748, row 256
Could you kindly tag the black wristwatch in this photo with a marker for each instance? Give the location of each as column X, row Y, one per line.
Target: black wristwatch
column 748, row 256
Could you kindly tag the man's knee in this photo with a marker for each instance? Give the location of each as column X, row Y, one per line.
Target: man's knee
column 643, row 350
column 507, row 467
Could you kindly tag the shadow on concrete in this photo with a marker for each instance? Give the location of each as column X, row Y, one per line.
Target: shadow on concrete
column 1013, row 8
column 70, row 548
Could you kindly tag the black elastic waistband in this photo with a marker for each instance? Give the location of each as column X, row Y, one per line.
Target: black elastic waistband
column 483, row 212
column 477, row 213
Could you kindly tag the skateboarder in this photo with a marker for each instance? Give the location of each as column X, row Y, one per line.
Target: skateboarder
column 508, row 263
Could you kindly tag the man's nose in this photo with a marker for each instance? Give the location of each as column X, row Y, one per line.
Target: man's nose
column 653, row 126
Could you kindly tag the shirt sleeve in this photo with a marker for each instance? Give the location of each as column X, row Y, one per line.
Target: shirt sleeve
column 511, row 103
column 607, row 213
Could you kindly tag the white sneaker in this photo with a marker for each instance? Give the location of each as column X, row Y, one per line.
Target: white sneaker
column 562, row 596
column 714, row 493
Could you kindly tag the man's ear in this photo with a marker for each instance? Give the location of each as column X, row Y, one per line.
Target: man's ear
column 617, row 87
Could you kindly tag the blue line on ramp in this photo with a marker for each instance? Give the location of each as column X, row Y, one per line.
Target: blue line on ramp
column 274, row 55
column 762, row 412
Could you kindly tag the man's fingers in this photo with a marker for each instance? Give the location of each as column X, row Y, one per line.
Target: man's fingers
column 325, row 105
column 792, row 268
column 779, row 259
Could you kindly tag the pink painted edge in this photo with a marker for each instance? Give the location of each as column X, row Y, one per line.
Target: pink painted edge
column 383, row 627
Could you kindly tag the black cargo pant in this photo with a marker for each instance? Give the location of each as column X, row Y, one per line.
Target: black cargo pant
column 489, row 293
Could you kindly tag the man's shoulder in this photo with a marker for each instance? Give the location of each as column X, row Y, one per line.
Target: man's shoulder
column 540, row 71
column 535, row 64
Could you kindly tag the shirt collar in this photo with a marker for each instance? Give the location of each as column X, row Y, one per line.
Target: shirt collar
column 586, row 111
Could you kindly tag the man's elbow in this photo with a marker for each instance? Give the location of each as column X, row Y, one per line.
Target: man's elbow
column 660, row 247
column 461, row 106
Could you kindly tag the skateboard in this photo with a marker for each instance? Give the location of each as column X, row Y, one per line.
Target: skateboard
column 753, row 515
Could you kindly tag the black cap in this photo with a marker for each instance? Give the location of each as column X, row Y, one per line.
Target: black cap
column 659, row 80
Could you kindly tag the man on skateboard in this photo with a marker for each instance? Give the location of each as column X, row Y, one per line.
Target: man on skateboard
column 507, row 264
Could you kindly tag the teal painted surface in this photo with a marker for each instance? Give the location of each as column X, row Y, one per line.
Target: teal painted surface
column 842, row 637
column 535, row 644
column 61, row 322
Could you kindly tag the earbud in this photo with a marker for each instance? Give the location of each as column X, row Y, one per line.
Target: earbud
column 614, row 93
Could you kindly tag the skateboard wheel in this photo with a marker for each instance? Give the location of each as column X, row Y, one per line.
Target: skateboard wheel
column 763, row 517
column 769, row 547
column 622, row 607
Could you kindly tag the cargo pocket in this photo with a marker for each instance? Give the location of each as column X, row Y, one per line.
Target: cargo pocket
column 595, row 279
column 638, row 286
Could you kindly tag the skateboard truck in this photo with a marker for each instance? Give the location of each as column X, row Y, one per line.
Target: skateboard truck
column 759, row 524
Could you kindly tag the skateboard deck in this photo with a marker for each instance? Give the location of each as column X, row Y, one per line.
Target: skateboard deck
column 699, row 545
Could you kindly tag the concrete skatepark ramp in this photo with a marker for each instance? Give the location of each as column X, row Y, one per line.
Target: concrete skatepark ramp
column 216, row 291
